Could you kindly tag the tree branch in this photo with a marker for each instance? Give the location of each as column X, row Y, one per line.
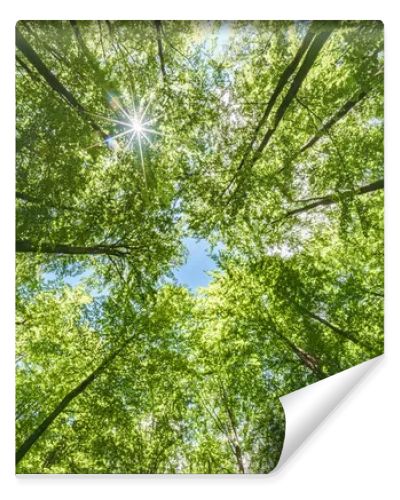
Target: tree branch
column 307, row 359
column 337, row 116
column 339, row 331
column 332, row 199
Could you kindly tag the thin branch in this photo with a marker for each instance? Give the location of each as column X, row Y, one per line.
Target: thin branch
column 337, row 116
column 101, row 39
column 334, row 198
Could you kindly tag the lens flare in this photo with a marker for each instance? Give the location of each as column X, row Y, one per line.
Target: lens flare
column 135, row 127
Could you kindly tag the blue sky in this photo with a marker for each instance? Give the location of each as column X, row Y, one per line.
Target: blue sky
column 193, row 273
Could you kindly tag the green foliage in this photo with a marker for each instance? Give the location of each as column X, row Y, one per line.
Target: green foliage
column 120, row 369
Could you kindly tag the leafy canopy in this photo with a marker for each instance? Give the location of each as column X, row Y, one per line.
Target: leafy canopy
column 264, row 138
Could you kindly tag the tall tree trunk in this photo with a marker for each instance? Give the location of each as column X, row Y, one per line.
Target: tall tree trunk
column 308, row 61
column 31, row 440
column 306, row 66
column 160, row 49
column 81, row 41
column 283, row 80
column 27, row 246
column 234, row 439
column 307, row 359
column 24, row 46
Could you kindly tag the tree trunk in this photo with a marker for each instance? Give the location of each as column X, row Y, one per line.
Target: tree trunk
column 306, row 66
column 81, row 42
column 52, row 80
column 309, row 59
column 283, row 80
column 31, row 440
column 234, row 439
column 160, row 49
column 26, row 246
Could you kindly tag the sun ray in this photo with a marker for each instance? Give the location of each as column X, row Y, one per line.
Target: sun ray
column 96, row 144
column 121, row 134
column 140, row 106
column 113, row 120
column 137, row 127
column 147, row 139
column 141, row 158
column 130, row 141
column 121, row 109
column 151, row 131
column 145, row 109
column 152, row 120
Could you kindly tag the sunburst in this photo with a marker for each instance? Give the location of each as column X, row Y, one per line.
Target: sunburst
column 136, row 127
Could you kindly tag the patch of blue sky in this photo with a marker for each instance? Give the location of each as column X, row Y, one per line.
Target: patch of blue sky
column 195, row 273
column 216, row 45
column 51, row 280
column 72, row 280
column 223, row 37
column 375, row 122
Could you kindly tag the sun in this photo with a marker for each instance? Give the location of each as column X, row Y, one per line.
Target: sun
column 136, row 126
column 133, row 125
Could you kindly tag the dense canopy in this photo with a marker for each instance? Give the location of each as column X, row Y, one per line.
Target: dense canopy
column 263, row 138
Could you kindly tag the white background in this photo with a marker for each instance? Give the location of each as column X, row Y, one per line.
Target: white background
column 355, row 453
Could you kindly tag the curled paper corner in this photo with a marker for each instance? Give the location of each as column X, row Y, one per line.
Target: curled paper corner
column 306, row 408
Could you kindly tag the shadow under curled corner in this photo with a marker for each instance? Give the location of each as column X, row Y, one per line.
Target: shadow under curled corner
column 306, row 408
